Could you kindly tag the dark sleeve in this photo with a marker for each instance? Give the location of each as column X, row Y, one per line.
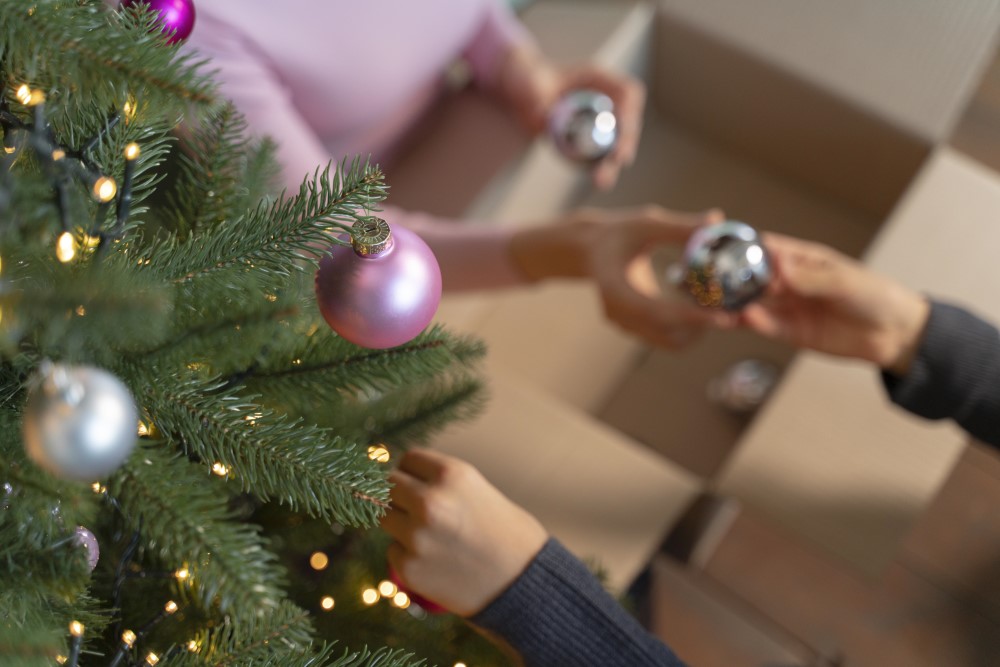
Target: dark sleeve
column 557, row 614
column 956, row 373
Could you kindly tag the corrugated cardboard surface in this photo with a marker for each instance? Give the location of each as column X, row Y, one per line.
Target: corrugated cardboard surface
column 914, row 63
column 829, row 456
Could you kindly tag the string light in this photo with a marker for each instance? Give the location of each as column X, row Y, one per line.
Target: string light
column 23, row 94
column 327, row 603
column 401, row 600
column 182, row 574
column 91, row 242
column 58, row 154
column 459, row 664
column 152, row 659
column 65, row 247
column 80, row 311
column 76, row 628
column 130, row 108
column 170, row 607
column 132, row 151
column 61, row 659
column 219, row 469
column 379, row 453
column 319, row 561
column 369, row 596
column 387, row 589
column 128, row 638
column 193, row 646
column 142, row 430
column 104, row 189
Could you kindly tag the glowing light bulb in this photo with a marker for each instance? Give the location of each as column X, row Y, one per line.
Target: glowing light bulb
column 76, row 628
column 128, row 638
column 326, row 603
column 319, row 560
column 387, row 589
column 379, row 453
column 193, row 647
column 170, row 607
column 105, row 189
column 152, row 659
column 23, row 93
column 220, row 469
column 132, row 151
column 58, row 154
column 65, row 247
column 401, row 600
column 182, row 574
column 369, row 596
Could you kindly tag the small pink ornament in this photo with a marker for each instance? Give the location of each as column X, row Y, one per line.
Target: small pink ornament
column 86, row 539
column 382, row 292
column 424, row 603
column 176, row 16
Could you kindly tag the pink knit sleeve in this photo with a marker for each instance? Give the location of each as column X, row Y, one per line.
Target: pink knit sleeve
column 471, row 256
column 500, row 29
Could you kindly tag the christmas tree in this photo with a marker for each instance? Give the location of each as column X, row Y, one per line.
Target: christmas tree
column 188, row 453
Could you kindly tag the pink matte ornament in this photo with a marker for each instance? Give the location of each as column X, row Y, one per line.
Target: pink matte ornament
column 176, row 16
column 86, row 539
column 382, row 292
column 424, row 603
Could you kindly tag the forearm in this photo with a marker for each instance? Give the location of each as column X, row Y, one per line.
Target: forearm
column 556, row 613
column 954, row 374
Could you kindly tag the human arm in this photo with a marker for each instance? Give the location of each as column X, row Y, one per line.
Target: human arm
column 938, row 361
column 509, row 64
column 462, row 544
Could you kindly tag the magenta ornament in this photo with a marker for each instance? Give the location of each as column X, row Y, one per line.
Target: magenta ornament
column 384, row 290
column 176, row 16
column 86, row 539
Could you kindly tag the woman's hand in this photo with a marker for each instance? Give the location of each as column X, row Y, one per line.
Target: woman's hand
column 613, row 248
column 531, row 85
column 459, row 542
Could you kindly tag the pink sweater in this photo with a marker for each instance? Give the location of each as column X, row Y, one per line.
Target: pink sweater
column 328, row 79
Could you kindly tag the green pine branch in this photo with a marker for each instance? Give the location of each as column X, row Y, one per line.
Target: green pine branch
column 412, row 416
column 213, row 164
column 276, row 458
column 278, row 237
column 183, row 518
column 112, row 55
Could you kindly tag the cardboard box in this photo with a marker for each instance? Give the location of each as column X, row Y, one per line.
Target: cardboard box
column 811, row 118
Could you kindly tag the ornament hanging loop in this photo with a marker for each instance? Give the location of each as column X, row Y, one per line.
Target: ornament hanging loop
column 371, row 236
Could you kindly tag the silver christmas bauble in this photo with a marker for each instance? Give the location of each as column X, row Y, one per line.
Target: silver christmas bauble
column 80, row 422
column 744, row 386
column 583, row 125
column 86, row 539
column 726, row 265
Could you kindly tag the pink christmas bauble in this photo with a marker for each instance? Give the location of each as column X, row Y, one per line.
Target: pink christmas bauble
column 176, row 16
column 382, row 292
column 424, row 603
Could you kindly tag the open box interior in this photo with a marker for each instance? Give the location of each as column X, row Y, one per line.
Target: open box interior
column 727, row 126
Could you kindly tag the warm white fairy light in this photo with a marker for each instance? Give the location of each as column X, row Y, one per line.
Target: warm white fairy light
column 105, row 189
column 128, row 638
column 142, row 430
column 152, row 659
column 327, row 603
column 379, row 453
column 65, row 247
column 387, row 589
column 401, row 600
column 129, row 108
column 182, row 574
column 80, row 311
column 23, row 93
column 58, row 154
column 319, row 560
column 170, row 607
column 76, row 628
column 220, row 469
column 459, row 664
column 193, row 646
column 132, row 151
column 61, row 659
column 369, row 596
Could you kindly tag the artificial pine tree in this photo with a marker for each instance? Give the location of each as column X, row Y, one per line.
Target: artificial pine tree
column 141, row 245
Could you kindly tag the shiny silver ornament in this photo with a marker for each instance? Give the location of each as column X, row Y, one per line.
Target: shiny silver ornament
column 725, row 265
column 583, row 125
column 80, row 422
column 744, row 386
